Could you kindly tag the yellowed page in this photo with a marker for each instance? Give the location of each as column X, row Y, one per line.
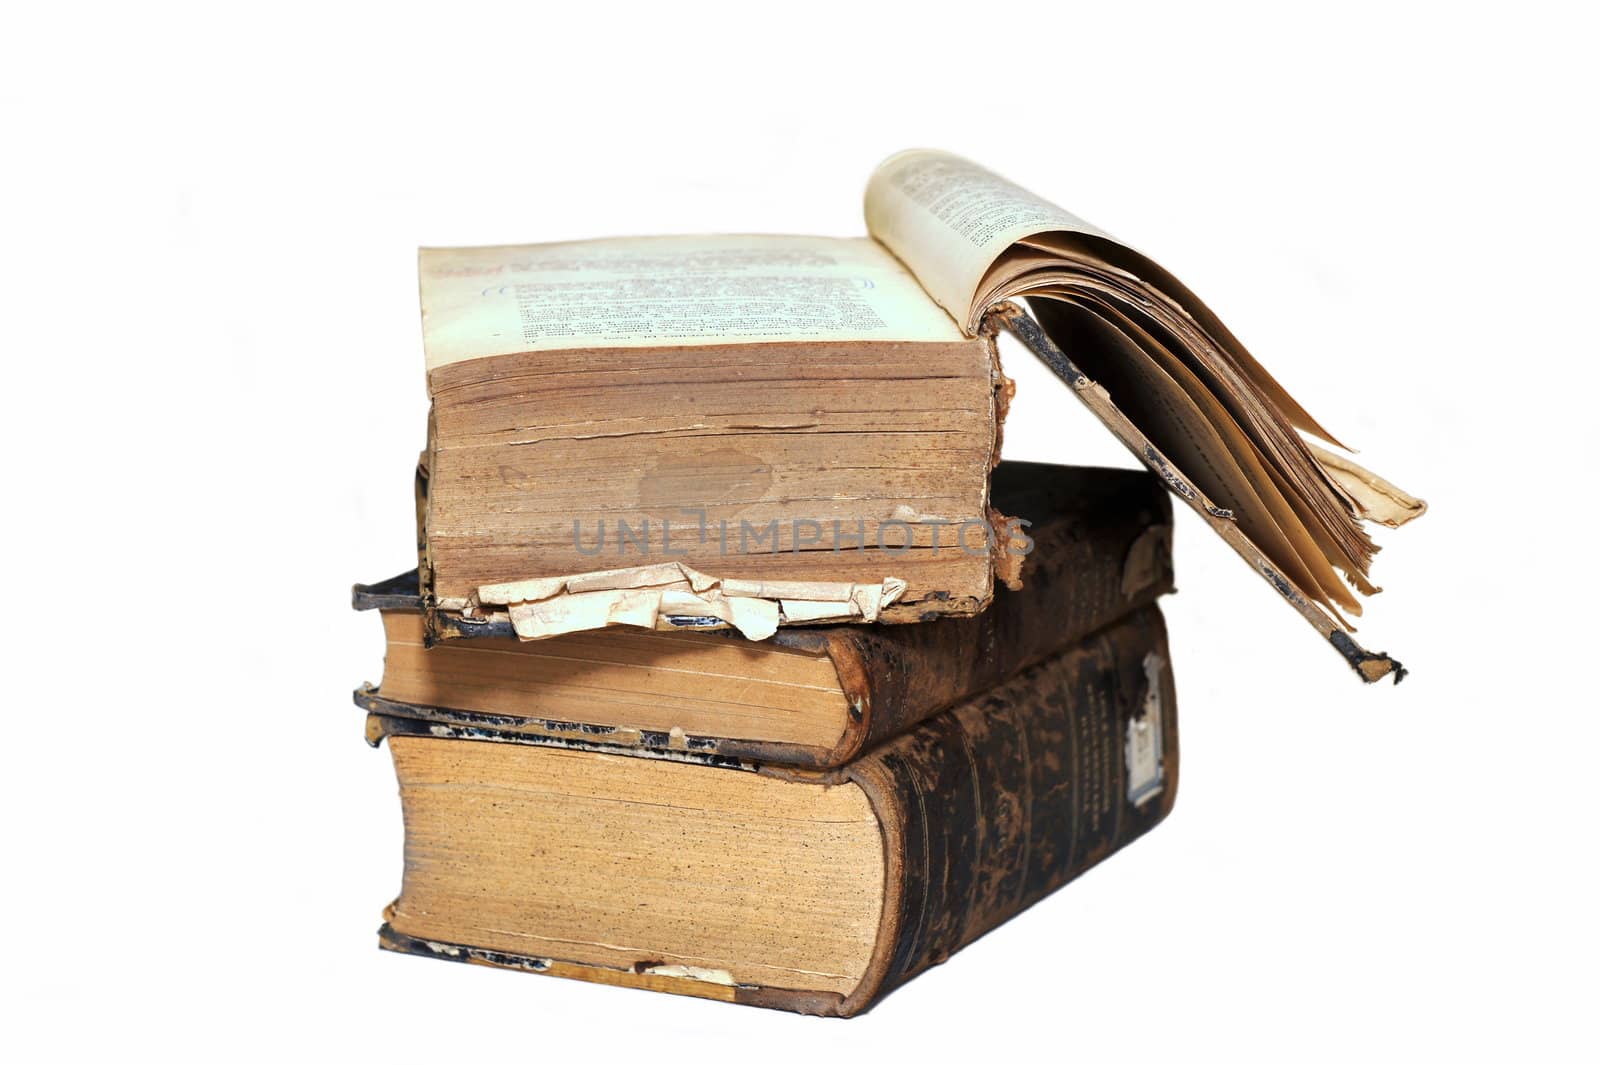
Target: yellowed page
column 650, row 596
column 663, row 291
column 1375, row 498
column 949, row 219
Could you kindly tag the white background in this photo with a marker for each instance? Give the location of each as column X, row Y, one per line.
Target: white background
column 214, row 397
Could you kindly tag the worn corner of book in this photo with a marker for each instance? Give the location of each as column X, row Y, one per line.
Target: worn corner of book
column 1011, row 548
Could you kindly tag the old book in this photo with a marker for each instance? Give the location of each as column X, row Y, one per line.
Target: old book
column 764, row 428
column 814, row 892
column 810, row 697
column 758, row 431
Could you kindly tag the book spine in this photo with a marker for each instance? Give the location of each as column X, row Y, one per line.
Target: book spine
column 990, row 807
column 1081, row 576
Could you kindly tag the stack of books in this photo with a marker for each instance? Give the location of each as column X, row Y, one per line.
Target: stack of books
column 736, row 664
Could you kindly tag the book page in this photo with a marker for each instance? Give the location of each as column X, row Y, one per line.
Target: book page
column 665, row 291
column 949, row 219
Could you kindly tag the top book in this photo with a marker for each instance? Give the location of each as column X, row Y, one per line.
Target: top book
column 751, row 431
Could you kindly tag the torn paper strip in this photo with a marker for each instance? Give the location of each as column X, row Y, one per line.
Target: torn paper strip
column 1375, row 498
column 662, row 596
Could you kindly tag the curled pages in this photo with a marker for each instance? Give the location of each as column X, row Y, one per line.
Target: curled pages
column 1160, row 369
column 673, row 596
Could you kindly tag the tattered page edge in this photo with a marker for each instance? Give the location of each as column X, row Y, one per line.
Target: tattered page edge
column 674, row 596
column 1369, row 666
column 391, row 717
column 688, row 981
column 1375, row 498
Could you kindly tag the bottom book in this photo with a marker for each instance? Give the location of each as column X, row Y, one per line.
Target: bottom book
column 811, row 891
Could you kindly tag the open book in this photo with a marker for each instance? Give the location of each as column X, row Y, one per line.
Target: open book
column 797, row 383
column 1159, row 368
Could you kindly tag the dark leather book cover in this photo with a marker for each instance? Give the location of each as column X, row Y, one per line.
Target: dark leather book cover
column 1030, row 785
column 1102, row 549
column 984, row 810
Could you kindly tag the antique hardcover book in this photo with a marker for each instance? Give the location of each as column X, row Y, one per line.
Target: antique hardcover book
column 755, row 430
column 750, row 421
column 810, row 891
column 808, row 696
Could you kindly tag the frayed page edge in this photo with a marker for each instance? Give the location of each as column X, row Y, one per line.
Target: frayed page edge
column 675, row 596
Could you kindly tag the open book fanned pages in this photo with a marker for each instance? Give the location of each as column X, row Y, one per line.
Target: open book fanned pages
column 753, row 431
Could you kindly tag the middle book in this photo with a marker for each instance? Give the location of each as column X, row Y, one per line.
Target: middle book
column 813, row 698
